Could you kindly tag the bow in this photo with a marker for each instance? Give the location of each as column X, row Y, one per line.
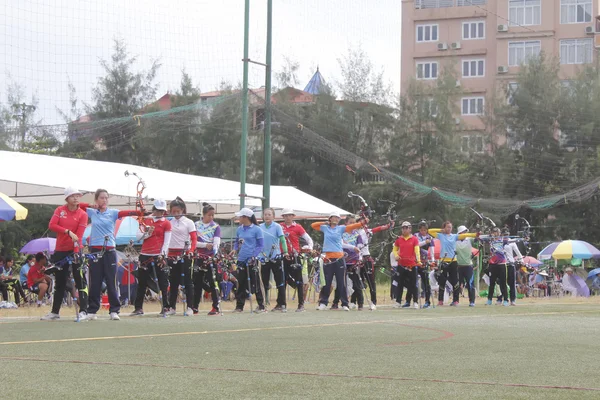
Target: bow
column 139, row 204
column 365, row 210
column 481, row 226
column 526, row 233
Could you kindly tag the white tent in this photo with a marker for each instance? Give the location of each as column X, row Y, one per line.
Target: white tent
column 40, row 179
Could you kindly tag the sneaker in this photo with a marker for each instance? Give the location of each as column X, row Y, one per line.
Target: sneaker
column 440, row 303
column 397, row 305
column 345, row 308
column 259, row 310
column 454, row 304
column 82, row 316
column 278, row 308
column 471, row 304
column 416, row 306
column 170, row 311
column 92, row 317
column 50, row 317
column 360, row 308
column 189, row 312
column 354, row 306
column 505, row 303
column 512, row 303
column 488, row 303
column 322, row 307
column 373, row 307
column 238, row 310
column 335, row 307
column 300, row 309
column 164, row 313
column 406, row 305
column 426, row 305
column 136, row 312
column 114, row 316
column 498, row 302
column 195, row 311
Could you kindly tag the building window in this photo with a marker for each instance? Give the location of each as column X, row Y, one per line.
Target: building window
column 463, row 3
column 510, row 92
column 473, row 30
column 427, row 33
column 473, row 68
column 576, row 51
column 525, row 12
column 575, row 11
column 520, row 52
column 471, row 144
column 472, row 106
column 428, row 107
column 433, row 3
column 427, row 70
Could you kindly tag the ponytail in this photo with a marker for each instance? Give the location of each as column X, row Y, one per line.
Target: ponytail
column 253, row 220
column 206, row 208
column 178, row 202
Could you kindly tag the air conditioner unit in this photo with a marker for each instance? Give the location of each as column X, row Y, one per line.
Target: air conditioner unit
column 458, row 83
column 457, row 121
column 442, row 46
column 502, row 69
column 502, row 28
column 455, row 45
column 589, row 30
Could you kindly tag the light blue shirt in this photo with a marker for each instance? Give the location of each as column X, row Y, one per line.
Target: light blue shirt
column 272, row 240
column 332, row 238
column 447, row 244
column 252, row 242
column 103, row 224
column 23, row 273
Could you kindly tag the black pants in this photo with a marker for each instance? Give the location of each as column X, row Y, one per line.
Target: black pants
column 104, row 269
column 358, row 285
column 151, row 270
column 497, row 273
column 367, row 273
column 293, row 277
column 465, row 275
column 336, row 268
column 181, row 274
column 205, row 278
column 412, row 285
column 15, row 286
column 404, row 281
column 275, row 266
column 426, row 286
column 62, row 275
column 245, row 289
column 511, row 279
column 449, row 273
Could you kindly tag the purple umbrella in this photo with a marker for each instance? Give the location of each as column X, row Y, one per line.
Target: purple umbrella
column 39, row 246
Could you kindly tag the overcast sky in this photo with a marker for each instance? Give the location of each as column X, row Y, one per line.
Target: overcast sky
column 44, row 43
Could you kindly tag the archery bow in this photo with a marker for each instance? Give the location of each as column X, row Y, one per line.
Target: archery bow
column 365, row 210
column 139, row 204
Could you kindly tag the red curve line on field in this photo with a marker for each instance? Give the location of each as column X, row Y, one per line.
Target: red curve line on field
column 315, row 374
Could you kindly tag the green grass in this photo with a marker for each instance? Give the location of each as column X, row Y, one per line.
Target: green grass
column 370, row 352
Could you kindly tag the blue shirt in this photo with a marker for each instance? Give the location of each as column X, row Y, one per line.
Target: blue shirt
column 332, row 238
column 447, row 244
column 271, row 241
column 103, row 224
column 351, row 238
column 251, row 238
column 23, row 274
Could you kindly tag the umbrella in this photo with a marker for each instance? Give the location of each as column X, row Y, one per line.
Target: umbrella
column 39, row 246
column 10, row 209
column 126, row 229
column 576, row 285
column 436, row 249
column 532, row 261
column 593, row 273
column 568, row 249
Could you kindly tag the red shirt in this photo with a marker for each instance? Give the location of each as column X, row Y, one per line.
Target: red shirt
column 64, row 219
column 153, row 244
column 35, row 273
column 406, row 250
column 293, row 233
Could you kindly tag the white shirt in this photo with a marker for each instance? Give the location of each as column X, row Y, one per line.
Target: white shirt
column 364, row 246
column 181, row 229
column 511, row 250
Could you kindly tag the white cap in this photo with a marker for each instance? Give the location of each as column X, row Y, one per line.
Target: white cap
column 462, row 229
column 406, row 223
column 71, row 191
column 287, row 211
column 334, row 214
column 244, row 212
column 160, row 204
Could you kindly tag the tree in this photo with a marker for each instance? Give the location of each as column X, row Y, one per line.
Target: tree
column 17, row 116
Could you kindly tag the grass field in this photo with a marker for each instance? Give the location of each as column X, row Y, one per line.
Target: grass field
column 482, row 352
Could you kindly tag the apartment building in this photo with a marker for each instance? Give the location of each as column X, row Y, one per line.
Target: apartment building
column 487, row 41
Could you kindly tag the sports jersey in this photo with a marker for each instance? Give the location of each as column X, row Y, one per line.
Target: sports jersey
column 63, row 219
column 249, row 242
column 293, row 233
column 182, row 230
column 272, row 235
column 407, row 248
column 156, row 243
column 209, row 233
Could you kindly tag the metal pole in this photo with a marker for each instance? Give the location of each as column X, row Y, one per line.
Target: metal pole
column 244, row 141
column 267, row 130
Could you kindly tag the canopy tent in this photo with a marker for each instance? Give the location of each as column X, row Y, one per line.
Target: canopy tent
column 40, row 179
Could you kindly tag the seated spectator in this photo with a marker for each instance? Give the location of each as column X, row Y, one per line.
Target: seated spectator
column 25, row 269
column 37, row 280
column 9, row 282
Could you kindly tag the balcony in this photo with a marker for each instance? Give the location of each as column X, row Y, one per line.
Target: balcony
column 422, row 4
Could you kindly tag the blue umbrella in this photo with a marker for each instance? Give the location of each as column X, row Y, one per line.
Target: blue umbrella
column 593, row 273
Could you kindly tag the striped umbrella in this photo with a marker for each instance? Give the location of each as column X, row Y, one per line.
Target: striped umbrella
column 568, row 249
column 10, row 209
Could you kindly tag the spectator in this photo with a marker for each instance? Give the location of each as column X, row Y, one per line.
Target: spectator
column 37, row 281
column 8, row 282
column 25, row 269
